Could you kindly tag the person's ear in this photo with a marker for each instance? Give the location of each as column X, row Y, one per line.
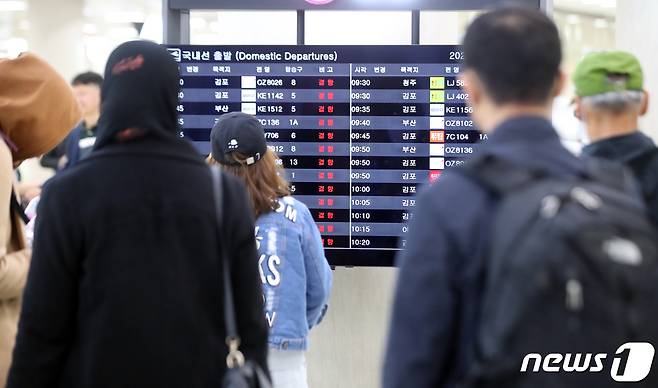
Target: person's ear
column 645, row 103
column 471, row 86
column 560, row 82
column 578, row 108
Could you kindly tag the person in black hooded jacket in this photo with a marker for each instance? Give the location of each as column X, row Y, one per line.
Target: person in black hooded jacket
column 125, row 287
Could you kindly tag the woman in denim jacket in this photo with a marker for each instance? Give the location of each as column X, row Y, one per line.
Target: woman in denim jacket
column 295, row 274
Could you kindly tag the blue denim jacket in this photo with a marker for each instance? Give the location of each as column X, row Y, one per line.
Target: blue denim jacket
column 295, row 274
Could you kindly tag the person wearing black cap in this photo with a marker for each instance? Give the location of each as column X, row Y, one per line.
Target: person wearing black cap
column 295, row 275
column 126, row 290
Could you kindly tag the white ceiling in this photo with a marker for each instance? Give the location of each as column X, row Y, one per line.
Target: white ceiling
column 593, row 7
column 137, row 9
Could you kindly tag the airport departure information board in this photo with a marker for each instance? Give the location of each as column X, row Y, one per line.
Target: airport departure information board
column 359, row 129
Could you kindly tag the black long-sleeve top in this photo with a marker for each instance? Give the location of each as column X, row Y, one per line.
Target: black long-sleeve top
column 125, row 286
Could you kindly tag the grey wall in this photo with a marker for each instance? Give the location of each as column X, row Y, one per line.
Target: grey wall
column 637, row 32
column 346, row 349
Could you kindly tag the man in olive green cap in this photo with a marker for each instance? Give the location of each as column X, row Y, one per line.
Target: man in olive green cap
column 609, row 101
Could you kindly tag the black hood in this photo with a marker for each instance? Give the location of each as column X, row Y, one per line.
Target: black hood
column 140, row 92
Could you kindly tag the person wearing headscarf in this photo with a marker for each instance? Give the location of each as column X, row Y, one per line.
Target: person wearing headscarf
column 125, row 288
column 37, row 109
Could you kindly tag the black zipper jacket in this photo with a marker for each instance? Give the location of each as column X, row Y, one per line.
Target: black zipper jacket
column 639, row 153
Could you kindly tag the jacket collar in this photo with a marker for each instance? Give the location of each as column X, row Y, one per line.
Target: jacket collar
column 621, row 148
column 531, row 141
column 524, row 129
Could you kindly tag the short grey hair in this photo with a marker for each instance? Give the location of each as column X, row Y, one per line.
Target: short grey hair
column 615, row 102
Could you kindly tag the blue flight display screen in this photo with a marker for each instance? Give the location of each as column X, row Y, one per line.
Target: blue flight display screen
column 359, row 129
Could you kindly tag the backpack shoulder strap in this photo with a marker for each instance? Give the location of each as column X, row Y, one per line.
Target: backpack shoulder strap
column 642, row 164
column 611, row 174
column 643, row 159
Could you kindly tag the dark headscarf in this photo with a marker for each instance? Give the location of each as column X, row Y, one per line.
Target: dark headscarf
column 140, row 93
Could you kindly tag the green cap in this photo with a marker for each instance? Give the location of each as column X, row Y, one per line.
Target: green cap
column 595, row 74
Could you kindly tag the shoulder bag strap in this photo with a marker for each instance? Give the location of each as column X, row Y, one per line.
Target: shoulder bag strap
column 14, row 204
column 17, row 208
column 235, row 358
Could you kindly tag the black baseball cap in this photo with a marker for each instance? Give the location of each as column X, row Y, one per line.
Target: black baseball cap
column 237, row 132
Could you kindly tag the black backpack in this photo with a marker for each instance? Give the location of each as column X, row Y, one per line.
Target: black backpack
column 571, row 275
